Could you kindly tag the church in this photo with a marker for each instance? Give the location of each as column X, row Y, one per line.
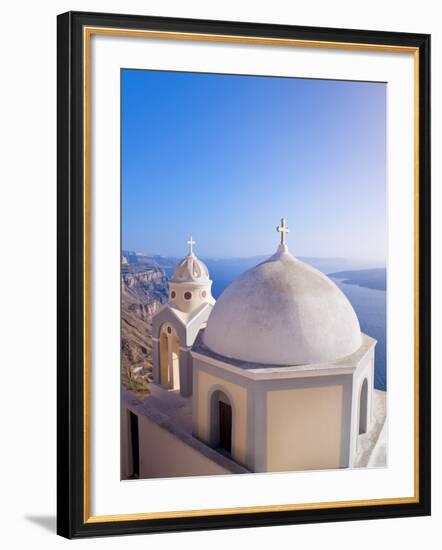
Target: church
column 275, row 375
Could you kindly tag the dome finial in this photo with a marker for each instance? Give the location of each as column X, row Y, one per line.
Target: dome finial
column 191, row 242
column 283, row 229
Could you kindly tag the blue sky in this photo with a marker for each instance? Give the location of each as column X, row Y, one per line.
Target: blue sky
column 224, row 157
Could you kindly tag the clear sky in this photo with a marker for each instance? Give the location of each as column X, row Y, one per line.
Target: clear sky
column 224, row 157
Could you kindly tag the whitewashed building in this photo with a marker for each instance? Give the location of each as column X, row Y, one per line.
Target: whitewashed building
column 274, row 376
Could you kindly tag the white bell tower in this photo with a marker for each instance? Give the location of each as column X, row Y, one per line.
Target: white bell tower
column 176, row 326
column 190, row 285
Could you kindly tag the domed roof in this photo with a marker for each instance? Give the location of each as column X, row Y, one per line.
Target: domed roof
column 190, row 269
column 283, row 312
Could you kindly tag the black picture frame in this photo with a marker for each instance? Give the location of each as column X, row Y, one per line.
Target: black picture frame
column 72, row 393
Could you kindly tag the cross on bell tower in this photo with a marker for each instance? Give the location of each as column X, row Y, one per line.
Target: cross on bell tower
column 191, row 242
column 283, row 229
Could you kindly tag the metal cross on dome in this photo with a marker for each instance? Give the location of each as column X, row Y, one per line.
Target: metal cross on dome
column 283, row 230
column 191, row 242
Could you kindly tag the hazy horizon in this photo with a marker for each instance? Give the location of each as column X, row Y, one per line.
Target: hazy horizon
column 224, row 157
column 363, row 261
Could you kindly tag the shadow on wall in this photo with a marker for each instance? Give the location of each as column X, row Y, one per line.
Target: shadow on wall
column 49, row 523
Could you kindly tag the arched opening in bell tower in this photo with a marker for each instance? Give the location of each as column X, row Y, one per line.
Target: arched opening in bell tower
column 164, row 360
column 169, row 358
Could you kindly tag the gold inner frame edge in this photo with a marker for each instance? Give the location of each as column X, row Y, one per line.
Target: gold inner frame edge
column 87, row 33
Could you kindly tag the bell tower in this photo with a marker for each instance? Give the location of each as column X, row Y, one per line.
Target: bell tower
column 176, row 326
column 190, row 285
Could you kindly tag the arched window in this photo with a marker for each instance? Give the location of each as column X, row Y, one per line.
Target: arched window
column 175, row 361
column 169, row 358
column 221, row 422
column 363, row 407
column 164, row 360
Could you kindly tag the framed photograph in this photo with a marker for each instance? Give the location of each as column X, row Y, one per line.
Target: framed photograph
column 243, row 274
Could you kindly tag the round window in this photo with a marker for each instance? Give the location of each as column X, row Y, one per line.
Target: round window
column 188, row 295
column 173, row 294
column 203, row 294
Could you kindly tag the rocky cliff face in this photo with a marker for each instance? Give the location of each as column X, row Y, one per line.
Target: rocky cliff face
column 144, row 290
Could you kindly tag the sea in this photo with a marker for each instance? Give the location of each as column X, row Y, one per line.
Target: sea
column 369, row 304
column 370, row 307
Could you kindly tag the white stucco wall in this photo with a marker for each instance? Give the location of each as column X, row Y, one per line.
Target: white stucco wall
column 304, row 428
column 163, row 454
column 200, row 294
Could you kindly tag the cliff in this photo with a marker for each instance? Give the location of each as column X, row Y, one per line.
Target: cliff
column 143, row 291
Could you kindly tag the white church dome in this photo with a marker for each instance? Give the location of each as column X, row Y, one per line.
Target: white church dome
column 283, row 312
column 190, row 269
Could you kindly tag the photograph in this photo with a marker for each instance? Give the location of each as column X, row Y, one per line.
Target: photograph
column 253, row 274
column 243, row 274
column 229, row 219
